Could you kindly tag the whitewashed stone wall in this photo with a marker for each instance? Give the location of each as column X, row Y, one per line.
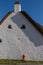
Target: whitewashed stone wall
column 16, row 41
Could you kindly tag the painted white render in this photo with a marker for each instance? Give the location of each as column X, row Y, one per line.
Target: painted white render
column 17, row 41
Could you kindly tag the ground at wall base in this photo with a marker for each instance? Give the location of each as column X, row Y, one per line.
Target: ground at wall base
column 9, row 61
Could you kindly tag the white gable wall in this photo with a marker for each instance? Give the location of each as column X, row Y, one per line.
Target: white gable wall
column 31, row 32
column 16, row 42
column 15, row 46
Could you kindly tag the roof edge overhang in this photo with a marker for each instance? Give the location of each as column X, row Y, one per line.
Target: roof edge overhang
column 36, row 25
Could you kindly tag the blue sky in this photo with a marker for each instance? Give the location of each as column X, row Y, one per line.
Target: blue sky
column 33, row 7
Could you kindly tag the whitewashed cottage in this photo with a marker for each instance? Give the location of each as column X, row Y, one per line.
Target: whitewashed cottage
column 20, row 35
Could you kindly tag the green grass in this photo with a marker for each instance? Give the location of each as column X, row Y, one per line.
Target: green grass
column 6, row 61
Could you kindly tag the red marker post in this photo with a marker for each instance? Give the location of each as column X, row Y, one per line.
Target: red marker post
column 23, row 57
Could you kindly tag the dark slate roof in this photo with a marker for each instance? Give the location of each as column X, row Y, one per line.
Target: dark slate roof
column 36, row 25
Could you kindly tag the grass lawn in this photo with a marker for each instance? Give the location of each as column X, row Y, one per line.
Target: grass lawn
column 6, row 61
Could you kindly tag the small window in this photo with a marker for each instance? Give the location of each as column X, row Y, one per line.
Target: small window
column 0, row 40
column 23, row 26
column 9, row 26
